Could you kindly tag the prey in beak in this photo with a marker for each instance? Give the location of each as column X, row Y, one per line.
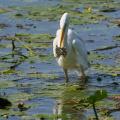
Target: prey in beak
column 60, row 51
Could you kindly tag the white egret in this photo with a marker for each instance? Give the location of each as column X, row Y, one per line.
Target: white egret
column 69, row 49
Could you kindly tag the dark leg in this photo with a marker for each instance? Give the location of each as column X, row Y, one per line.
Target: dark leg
column 82, row 71
column 65, row 72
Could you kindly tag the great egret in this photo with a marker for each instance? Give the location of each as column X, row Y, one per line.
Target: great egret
column 69, row 49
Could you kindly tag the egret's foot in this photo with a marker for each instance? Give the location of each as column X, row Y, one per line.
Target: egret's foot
column 82, row 71
column 85, row 78
column 67, row 82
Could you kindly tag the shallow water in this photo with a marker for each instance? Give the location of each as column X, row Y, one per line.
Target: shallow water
column 46, row 95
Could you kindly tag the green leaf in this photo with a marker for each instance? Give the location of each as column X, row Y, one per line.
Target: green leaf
column 98, row 95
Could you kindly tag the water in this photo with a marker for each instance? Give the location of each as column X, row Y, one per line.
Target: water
column 48, row 104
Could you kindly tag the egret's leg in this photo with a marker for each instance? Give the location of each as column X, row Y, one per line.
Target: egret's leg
column 65, row 72
column 82, row 71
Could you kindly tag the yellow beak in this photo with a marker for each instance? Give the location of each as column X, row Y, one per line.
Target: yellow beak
column 61, row 37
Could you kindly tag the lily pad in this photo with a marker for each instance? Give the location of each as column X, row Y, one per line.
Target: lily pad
column 100, row 4
column 10, row 71
column 109, row 4
column 92, row 57
column 72, row 93
column 38, row 45
column 53, row 13
column 99, row 105
column 98, row 95
column 61, row 91
column 7, row 84
column 37, row 38
column 5, row 65
column 115, row 23
column 4, row 10
column 21, row 96
column 105, row 48
column 104, row 104
column 5, row 45
column 39, row 58
column 53, row 117
column 44, row 76
column 117, row 61
column 107, row 69
column 26, row 117
column 108, row 10
column 117, row 37
column 10, row 112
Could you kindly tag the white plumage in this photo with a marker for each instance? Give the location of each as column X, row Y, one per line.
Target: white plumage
column 76, row 58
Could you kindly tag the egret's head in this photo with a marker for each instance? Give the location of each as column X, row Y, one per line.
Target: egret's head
column 64, row 23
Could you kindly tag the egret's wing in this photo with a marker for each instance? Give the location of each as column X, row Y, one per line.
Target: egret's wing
column 54, row 46
column 80, row 49
column 56, row 42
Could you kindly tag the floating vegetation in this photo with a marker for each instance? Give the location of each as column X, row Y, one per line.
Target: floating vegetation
column 10, row 71
column 92, row 57
column 109, row 4
column 117, row 61
column 98, row 95
column 36, row 86
column 108, row 10
column 107, row 69
column 115, row 23
column 7, row 84
column 106, row 48
column 54, row 116
column 44, row 76
column 5, row 45
column 15, row 38
column 2, row 10
column 53, row 13
column 117, row 37
column 37, row 38
column 5, row 65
